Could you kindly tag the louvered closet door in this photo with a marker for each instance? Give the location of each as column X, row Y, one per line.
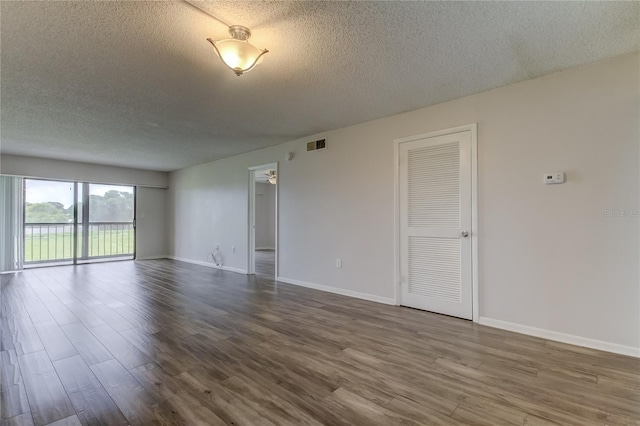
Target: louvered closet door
column 435, row 224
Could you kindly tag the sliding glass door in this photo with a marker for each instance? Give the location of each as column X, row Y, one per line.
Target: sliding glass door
column 71, row 222
column 49, row 222
column 107, row 224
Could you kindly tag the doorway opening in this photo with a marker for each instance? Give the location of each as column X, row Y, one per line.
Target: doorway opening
column 77, row 222
column 263, row 220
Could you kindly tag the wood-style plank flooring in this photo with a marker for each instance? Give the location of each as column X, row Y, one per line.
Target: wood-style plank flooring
column 168, row 343
column 265, row 263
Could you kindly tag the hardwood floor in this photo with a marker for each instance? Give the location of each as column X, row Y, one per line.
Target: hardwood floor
column 169, row 343
column 266, row 263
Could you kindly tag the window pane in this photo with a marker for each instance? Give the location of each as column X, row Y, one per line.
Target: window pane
column 48, row 202
column 48, row 228
column 110, row 203
column 110, row 227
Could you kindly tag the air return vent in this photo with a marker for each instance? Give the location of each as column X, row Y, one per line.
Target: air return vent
column 315, row 145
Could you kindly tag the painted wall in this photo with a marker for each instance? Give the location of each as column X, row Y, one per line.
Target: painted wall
column 151, row 240
column 151, row 225
column 74, row 171
column 265, row 216
column 551, row 257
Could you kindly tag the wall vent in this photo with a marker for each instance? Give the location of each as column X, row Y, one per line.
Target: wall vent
column 315, row 145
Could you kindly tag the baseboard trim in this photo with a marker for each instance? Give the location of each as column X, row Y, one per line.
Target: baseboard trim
column 562, row 337
column 236, row 270
column 156, row 257
column 208, row 264
column 336, row 290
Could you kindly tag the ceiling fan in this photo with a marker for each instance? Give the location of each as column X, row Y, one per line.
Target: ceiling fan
column 271, row 177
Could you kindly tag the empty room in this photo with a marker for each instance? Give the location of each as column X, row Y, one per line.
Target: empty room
column 319, row 213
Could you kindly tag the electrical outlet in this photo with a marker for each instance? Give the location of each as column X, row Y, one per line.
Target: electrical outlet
column 338, row 263
column 217, row 247
column 233, row 249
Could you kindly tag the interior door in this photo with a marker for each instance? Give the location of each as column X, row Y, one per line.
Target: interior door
column 435, row 224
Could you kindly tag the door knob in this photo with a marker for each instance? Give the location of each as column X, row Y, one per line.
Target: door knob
column 464, row 234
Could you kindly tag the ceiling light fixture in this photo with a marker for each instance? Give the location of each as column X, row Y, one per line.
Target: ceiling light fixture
column 271, row 177
column 236, row 52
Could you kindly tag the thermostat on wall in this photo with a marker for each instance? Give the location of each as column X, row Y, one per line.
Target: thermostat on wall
column 554, row 177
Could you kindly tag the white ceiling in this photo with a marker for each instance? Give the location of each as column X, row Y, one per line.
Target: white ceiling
column 135, row 83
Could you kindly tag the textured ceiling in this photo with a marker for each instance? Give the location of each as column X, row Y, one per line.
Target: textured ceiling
column 135, row 83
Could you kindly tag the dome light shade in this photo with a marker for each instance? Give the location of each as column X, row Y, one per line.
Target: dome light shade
column 236, row 52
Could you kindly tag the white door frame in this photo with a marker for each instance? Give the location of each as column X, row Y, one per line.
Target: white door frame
column 473, row 128
column 251, row 230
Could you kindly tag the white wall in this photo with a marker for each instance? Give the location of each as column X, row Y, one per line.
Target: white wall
column 550, row 257
column 82, row 172
column 151, row 225
column 151, row 207
column 265, row 216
